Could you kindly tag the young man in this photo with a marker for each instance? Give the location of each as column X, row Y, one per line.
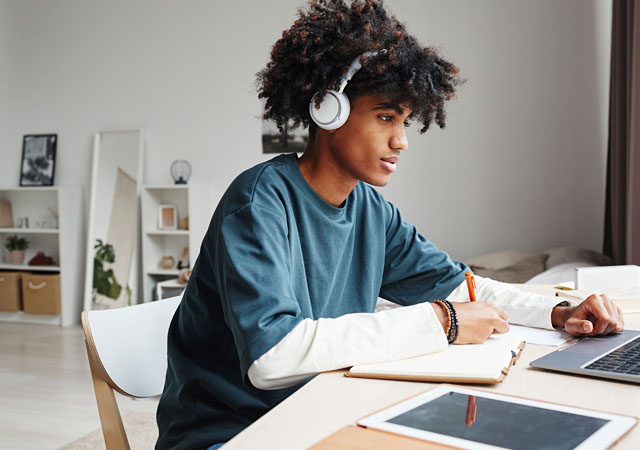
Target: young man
column 299, row 250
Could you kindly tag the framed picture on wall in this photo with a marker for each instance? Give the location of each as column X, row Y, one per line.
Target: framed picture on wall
column 167, row 217
column 38, row 159
column 286, row 141
column 38, row 164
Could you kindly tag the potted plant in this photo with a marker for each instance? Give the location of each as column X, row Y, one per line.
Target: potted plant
column 105, row 284
column 16, row 247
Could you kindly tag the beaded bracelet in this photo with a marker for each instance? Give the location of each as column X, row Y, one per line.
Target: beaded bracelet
column 455, row 323
column 446, row 310
column 452, row 333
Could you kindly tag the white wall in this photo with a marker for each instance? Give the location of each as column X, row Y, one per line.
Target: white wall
column 522, row 160
column 521, row 163
column 4, row 84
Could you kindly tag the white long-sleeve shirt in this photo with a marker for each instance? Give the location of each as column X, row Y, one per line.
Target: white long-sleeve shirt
column 315, row 346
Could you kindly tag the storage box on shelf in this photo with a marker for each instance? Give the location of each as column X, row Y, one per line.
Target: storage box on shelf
column 34, row 211
column 10, row 291
column 192, row 201
column 41, row 293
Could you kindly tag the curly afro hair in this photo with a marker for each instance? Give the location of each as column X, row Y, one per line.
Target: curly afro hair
column 316, row 51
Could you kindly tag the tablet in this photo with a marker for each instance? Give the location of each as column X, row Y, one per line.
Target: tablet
column 473, row 419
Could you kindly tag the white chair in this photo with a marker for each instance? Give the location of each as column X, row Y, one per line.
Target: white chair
column 127, row 349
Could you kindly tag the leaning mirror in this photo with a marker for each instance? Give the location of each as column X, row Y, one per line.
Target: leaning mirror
column 112, row 237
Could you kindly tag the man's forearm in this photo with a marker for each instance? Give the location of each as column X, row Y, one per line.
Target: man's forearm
column 315, row 346
column 523, row 308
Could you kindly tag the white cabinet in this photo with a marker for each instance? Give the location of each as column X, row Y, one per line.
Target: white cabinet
column 61, row 239
column 192, row 201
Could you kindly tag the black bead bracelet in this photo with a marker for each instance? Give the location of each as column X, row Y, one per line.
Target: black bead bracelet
column 452, row 332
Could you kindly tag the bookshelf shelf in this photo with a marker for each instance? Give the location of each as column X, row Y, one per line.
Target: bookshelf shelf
column 29, row 231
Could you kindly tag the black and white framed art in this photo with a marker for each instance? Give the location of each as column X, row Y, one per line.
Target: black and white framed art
column 38, row 159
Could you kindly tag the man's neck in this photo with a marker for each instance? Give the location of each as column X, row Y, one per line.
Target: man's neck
column 324, row 175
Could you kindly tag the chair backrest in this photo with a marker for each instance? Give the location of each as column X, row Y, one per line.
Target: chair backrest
column 127, row 349
column 131, row 345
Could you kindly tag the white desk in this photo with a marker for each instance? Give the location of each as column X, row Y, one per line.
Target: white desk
column 331, row 401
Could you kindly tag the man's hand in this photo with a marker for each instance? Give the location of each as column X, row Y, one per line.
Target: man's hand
column 479, row 320
column 596, row 315
column 476, row 321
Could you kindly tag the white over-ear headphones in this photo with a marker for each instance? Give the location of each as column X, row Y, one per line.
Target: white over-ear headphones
column 334, row 109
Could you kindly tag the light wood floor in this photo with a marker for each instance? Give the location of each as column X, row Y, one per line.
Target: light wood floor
column 46, row 394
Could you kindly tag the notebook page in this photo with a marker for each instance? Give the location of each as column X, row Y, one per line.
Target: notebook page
column 471, row 361
column 540, row 336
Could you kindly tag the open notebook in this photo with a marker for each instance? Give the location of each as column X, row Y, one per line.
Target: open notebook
column 482, row 363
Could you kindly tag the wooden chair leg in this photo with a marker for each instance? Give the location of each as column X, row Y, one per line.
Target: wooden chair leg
column 115, row 437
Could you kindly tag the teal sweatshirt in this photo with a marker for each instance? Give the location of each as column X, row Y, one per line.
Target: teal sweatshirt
column 275, row 254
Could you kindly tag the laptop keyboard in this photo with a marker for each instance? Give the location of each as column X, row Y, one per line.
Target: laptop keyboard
column 625, row 359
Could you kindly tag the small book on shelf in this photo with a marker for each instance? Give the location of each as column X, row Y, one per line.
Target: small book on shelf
column 6, row 216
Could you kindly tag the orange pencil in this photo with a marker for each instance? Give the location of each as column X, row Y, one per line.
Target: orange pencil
column 471, row 285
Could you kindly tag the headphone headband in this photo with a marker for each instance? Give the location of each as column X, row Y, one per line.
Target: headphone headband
column 355, row 66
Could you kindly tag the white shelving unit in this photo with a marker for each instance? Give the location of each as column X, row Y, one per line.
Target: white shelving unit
column 64, row 244
column 195, row 201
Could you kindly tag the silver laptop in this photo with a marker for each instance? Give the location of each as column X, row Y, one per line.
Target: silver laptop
column 615, row 356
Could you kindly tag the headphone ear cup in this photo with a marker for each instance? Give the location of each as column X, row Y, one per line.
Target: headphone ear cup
column 333, row 111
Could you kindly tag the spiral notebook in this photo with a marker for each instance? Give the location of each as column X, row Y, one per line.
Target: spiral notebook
column 486, row 363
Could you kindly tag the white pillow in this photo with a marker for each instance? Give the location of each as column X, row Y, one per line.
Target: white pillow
column 561, row 273
column 564, row 255
column 499, row 260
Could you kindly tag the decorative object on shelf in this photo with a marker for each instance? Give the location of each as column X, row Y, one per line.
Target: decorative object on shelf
column 38, row 159
column 41, row 218
column 167, row 262
column 23, row 222
column 184, row 275
column 41, row 260
column 6, row 215
column 180, row 171
column 16, row 247
column 184, row 223
column 183, row 262
column 167, row 217
column 105, row 284
column 53, row 221
column 16, row 257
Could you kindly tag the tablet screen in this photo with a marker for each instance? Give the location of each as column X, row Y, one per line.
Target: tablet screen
column 500, row 423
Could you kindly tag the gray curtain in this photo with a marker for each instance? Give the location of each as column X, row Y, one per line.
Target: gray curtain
column 622, row 215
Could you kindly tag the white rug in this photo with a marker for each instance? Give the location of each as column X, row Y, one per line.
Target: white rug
column 140, row 427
